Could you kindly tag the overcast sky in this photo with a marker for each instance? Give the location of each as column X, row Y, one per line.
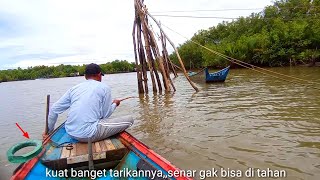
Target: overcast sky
column 52, row 32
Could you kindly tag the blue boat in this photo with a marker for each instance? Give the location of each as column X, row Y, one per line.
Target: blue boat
column 115, row 158
column 219, row 76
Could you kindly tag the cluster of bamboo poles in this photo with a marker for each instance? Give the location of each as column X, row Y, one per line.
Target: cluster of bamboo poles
column 149, row 57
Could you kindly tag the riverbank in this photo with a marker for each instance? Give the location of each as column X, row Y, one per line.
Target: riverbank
column 316, row 64
column 63, row 77
column 233, row 66
column 39, row 72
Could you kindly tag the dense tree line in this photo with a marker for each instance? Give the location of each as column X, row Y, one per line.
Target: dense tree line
column 285, row 33
column 62, row 71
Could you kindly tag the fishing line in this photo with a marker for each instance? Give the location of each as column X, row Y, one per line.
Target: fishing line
column 128, row 98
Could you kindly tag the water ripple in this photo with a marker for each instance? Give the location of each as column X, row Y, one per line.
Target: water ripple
column 249, row 121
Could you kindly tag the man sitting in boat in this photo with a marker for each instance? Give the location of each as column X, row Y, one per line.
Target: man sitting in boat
column 90, row 106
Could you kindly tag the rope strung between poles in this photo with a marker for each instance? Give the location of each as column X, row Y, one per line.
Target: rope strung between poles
column 247, row 65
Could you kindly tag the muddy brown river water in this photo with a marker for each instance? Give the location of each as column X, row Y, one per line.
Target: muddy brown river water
column 250, row 121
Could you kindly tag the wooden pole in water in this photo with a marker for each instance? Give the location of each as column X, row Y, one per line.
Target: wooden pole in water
column 156, row 73
column 166, row 54
column 150, row 43
column 147, row 52
column 141, row 53
column 47, row 115
column 160, row 62
column 138, row 68
column 176, row 50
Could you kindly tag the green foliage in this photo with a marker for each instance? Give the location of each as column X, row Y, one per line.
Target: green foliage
column 286, row 32
column 118, row 66
column 191, row 54
column 62, row 71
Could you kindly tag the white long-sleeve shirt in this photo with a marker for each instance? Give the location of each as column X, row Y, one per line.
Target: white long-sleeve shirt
column 89, row 102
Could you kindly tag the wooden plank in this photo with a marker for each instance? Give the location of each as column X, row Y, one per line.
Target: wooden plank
column 98, row 148
column 81, row 149
column 109, row 144
column 84, row 158
column 93, row 148
column 117, row 143
column 65, row 153
column 73, row 150
column 103, row 146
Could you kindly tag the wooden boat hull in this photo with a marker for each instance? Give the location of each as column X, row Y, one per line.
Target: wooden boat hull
column 137, row 157
column 219, row 76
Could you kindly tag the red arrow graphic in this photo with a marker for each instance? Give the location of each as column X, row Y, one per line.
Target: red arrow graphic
column 25, row 134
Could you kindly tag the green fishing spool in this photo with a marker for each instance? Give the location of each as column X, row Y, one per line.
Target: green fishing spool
column 27, row 156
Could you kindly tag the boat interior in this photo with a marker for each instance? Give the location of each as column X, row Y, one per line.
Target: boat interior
column 106, row 154
column 64, row 152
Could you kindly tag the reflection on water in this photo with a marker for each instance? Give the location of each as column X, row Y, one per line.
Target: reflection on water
column 249, row 121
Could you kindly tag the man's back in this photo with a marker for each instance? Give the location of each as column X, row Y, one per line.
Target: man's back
column 90, row 106
column 89, row 102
